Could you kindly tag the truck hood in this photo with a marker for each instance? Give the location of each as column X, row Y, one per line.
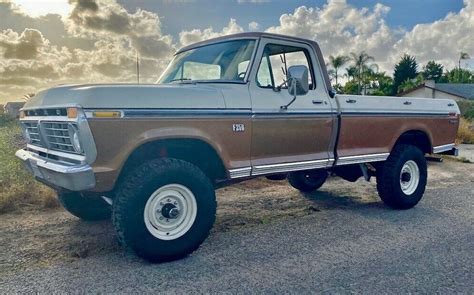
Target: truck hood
column 129, row 96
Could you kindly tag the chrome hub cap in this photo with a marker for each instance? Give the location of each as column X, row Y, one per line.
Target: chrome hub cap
column 170, row 211
column 409, row 177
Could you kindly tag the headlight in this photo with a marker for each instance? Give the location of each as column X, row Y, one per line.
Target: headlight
column 26, row 135
column 74, row 134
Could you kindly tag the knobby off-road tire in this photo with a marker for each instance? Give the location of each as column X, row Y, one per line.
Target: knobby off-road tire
column 89, row 208
column 147, row 201
column 307, row 181
column 401, row 180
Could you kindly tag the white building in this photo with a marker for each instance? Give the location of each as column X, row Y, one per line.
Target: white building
column 430, row 89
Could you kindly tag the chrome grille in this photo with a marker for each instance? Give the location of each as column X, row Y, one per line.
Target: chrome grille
column 57, row 135
column 33, row 132
column 50, row 134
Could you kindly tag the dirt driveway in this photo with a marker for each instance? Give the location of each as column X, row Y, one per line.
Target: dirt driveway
column 35, row 239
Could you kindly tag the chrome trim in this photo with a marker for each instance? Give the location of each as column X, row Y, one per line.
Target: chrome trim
column 240, row 172
column 58, row 174
column 292, row 166
column 48, row 118
column 85, row 134
column 137, row 113
column 392, row 114
column 75, row 157
column 362, row 159
column 443, row 148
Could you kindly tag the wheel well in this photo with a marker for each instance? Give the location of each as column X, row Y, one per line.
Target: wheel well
column 194, row 151
column 417, row 138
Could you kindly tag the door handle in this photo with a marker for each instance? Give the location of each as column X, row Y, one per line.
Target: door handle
column 351, row 101
column 407, row 103
column 316, row 101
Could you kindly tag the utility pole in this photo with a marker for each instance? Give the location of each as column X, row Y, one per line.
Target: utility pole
column 138, row 70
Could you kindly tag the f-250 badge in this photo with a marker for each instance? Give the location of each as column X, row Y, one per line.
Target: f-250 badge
column 238, row 127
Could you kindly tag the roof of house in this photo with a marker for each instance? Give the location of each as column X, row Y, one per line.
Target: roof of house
column 462, row 90
column 465, row 91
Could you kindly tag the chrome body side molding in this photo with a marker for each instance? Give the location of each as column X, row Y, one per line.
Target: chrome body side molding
column 362, row 159
column 304, row 165
column 240, row 172
column 443, row 148
column 293, row 166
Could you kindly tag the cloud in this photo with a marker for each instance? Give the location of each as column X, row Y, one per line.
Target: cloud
column 196, row 35
column 24, row 46
column 442, row 40
column 100, row 39
column 254, row 26
column 341, row 28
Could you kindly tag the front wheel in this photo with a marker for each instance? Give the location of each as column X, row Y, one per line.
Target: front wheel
column 164, row 209
column 401, row 180
column 86, row 207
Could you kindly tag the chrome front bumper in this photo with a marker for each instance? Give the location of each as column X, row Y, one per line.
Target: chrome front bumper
column 58, row 174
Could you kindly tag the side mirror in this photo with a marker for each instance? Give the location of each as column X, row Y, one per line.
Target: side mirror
column 298, row 80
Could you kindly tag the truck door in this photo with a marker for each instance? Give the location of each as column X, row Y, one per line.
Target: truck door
column 301, row 136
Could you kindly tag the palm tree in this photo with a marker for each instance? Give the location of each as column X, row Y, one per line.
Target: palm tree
column 360, row 61
column 463, row 55
column 351, row 72
column 337, row 62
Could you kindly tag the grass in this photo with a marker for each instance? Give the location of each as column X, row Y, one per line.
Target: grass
column 465, row 132
column 18, row 189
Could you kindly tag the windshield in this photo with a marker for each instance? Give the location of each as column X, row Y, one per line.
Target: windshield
column 226, row 61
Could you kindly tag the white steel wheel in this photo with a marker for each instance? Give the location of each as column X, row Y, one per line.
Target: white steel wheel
column 409, row 177
column 170, row 212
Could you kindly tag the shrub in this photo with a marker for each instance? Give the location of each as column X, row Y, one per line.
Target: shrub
column 465, row 132
column 18, row 189
column 467, row 109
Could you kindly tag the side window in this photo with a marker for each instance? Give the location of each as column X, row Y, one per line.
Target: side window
column 275, row 62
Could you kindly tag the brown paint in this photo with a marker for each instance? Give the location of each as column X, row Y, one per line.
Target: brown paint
column 116, row 139
column 362, row 135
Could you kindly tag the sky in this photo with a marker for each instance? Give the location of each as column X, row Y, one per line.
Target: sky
column 48, row 42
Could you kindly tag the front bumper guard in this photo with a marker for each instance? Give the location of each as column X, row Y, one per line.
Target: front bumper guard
column 58, row 174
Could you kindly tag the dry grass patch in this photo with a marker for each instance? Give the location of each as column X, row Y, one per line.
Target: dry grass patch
column 18, row 189
column 465, row 132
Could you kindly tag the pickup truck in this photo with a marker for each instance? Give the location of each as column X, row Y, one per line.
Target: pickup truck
column 225, row 110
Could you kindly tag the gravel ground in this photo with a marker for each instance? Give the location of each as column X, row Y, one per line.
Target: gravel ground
column 268, row 238
column 467, row 151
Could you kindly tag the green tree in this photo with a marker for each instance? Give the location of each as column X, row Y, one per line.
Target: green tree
column 382, row 84
column 407, row 68
column 351, row 72
column 458, row 76
column 336, row 62
column 361, row 61
column 432, row 71
column 410, row 83
column 351, row 87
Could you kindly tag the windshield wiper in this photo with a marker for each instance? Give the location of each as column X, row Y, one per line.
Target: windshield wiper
column 187, row 80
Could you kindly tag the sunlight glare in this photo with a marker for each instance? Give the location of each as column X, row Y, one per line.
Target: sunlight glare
column 37, row 8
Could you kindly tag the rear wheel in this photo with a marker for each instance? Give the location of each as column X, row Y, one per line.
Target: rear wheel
column 307, row 181
column 164, row 209
column 86, row 207
column 401, row 180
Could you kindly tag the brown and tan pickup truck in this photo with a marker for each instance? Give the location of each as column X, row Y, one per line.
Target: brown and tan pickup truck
column 224, row 110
